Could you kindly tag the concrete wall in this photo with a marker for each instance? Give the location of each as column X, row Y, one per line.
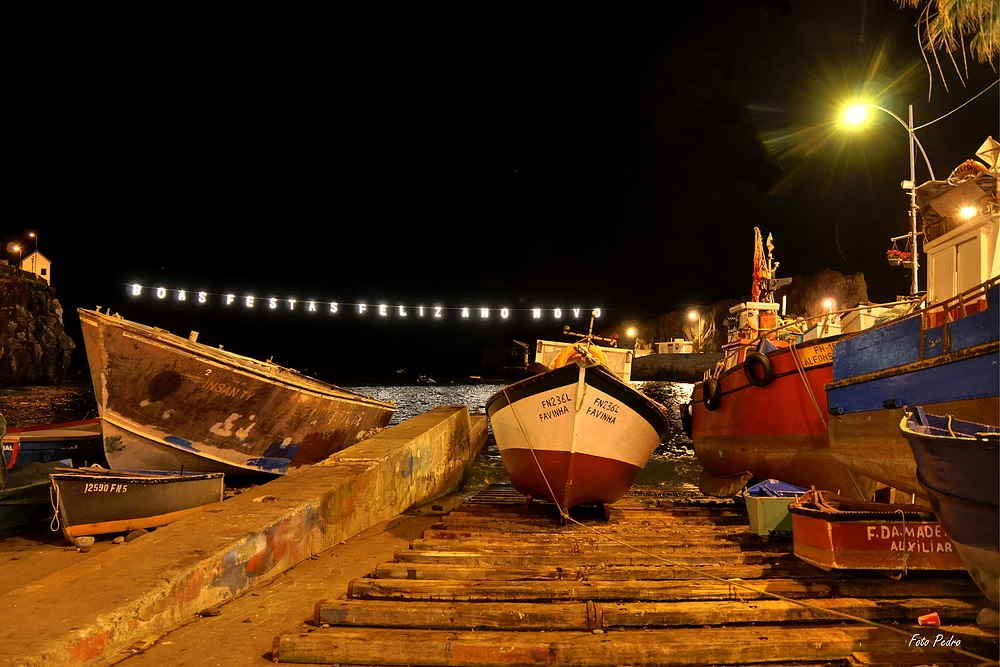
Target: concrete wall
column 160, row 580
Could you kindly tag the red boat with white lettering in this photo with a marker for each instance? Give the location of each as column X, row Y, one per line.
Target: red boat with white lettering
column 575, row 434
column 837, row 533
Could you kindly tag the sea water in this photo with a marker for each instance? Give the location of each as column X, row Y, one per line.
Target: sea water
column 672, row 466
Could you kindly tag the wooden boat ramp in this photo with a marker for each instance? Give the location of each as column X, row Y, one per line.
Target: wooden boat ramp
column 671, row 578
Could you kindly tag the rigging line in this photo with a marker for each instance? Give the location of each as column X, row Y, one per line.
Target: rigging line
column 778, row 596
column 823, row 418
column 920, row 127
column 802, row 373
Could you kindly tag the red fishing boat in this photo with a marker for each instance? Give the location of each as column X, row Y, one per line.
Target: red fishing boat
column 837, row 533
column 761, row 412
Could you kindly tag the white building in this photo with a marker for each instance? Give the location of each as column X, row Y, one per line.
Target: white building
column 38, row 264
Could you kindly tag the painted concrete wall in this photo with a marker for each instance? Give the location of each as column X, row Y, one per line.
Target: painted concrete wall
column 159, row 581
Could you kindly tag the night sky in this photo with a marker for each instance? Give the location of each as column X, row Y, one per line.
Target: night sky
column 499, row 156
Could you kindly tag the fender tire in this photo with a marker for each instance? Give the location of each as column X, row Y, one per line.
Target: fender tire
column 711, row 394
column 758, row 360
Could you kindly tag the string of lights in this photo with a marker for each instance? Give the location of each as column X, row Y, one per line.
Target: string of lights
column 430, row 311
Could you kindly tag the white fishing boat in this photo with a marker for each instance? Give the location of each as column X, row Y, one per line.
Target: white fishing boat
column 576, row 434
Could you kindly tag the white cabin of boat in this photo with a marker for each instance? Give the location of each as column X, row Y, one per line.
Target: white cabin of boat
column 619, row 359
column 961, row 217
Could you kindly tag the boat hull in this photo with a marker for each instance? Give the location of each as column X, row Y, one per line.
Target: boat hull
column 169, row 403
column 877, row 536
column 78, row 442
column 947, row 367
column 961, row 475
column 777, row 431
column 94, row 503
column 574, row 435
column 32, row 453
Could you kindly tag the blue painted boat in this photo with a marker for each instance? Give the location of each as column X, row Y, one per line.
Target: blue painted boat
column 958, row 464
column 78, row 441
column 945, row 357
column 31, row 454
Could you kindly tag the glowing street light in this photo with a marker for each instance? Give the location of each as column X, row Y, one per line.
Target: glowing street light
column 17, row 249
column 855, row 115
column 633, row 333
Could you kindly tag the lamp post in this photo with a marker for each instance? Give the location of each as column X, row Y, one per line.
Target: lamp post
column 34, row 252
column 17, row 249
column 695, row 315
column 856, row 115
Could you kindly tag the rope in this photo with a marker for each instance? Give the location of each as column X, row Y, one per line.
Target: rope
column 906, row 551
column 54, row 500
column 823, row 418
column 802, row 373
column 562, row 512
column 733, row 584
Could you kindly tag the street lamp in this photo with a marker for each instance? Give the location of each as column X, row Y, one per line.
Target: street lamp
column 633, row 334
column 34, row 252
column 17, row 249
column 695, row 315
column 855, row 115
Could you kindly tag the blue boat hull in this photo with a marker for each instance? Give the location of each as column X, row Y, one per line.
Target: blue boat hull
column 958, row 464
column 952, row 367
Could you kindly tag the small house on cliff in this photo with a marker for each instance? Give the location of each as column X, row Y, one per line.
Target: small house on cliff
column 38, row 264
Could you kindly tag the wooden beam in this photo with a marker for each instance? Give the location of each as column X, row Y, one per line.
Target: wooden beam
column 538, row 590
column 679, row 646
column 568, row 561
column 593, row 572
column 592, row 615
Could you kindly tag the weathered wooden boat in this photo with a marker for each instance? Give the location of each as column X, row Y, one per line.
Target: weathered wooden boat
column 96, row 501
column 837, row 533
column 761, row 412
column 958, row 464
column 576, row 434
column 943, row 357
column 171, row 403
column 31, row 453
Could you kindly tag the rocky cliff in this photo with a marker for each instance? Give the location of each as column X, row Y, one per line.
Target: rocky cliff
column 34, row 346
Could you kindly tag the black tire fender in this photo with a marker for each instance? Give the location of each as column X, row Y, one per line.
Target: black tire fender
column 711, row 394
column 758, row 360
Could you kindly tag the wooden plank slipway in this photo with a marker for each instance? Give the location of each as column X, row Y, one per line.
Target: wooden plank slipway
column 671, row 579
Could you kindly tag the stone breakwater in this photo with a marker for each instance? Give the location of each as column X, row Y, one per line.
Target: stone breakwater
column 34, row 346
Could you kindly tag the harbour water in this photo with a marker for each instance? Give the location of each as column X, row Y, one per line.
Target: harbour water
column 672, row 466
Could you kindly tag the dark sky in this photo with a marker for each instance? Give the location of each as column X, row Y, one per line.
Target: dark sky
column 506, row 156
